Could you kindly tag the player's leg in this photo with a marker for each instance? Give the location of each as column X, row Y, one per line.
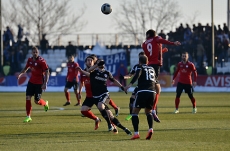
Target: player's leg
column 67, row 94
column 148, row 112
column 189, row 91
column 75, row 87
column 29, row 93
column 116, row 108
column 158, row 90
column 179, row 90
column 86, row 111
column 116, row 122
column 37, row 97
column 101, row 107
column 154, row 109
column 137, row 105
column 131, row 100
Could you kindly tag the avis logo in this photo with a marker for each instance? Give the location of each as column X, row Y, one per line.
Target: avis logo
column 23, row 80
column 2, row 80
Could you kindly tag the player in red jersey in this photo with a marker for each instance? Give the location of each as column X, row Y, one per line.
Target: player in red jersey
column 72, row 81
column 185, row 69
column 111, row 102
column 89, row 101
column 38, row 82
column 153, row 50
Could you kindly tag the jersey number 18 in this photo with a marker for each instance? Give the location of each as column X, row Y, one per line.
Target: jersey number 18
column 150, row 74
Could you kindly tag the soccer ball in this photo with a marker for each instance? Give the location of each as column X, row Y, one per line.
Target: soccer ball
column 106, row 9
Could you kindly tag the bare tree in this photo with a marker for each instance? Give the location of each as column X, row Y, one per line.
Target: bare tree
column 38, row 17
column 137, row 16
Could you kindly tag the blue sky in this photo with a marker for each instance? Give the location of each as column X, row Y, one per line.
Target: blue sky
column 99, row 23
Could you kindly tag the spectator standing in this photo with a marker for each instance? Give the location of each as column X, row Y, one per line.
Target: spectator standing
column 70, row 50
column 44, row 44
column 122, row 70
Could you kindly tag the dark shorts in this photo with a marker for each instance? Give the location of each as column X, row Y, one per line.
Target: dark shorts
column 186, row 87
column 89, row 101
column 34, row 90
column 144, row 99
column 102, row 98
column 135, row 91
column 73, row 84
column 157, row 71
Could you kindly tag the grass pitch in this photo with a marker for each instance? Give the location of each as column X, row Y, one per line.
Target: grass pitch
column 63, row 128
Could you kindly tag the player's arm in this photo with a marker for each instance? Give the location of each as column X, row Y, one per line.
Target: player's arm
column 112, row 79
column 83, row 71
column 194, row 76
column 175, row 74
column 128, row 76
column 163, row 41
column 47, row 75
column 136, row 76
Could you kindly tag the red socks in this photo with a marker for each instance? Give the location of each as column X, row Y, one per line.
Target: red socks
column 113, row 104
column 28, row 107
column 156, row 101
column 177, row 102
column 193, row 100
column 89, row 114
column 42, row 102
column 67, row 96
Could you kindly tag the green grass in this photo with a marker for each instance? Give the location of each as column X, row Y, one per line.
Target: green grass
column 59, row 129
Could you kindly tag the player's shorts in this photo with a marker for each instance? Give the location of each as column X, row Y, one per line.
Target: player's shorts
column 144, row 99
column 186, row 87
column 157, row 70
column 73, row 84
column 89, row 101
column 135, row 91
column 102, row 98
column 34, row 90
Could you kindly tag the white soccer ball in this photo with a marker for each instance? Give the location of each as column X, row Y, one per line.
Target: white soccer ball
column 106, row 9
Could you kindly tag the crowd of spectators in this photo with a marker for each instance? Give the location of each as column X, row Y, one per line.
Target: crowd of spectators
column 196, row 40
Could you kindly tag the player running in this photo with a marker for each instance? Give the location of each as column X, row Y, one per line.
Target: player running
column 72, row 81
column 132, row 98
column 37, row 83
column 153, row 50
column 185, row 69
column 89, row 100
column 145, row 95
column 111, row 102
column 98, row 79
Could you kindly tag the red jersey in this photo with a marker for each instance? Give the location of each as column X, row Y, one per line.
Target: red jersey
column 185, row 72
column 72, row 72
column 153, row 49
column 38, row 68
column 86, row 81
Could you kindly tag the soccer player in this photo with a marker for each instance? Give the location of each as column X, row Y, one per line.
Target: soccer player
column 89, row 100
column 71, row 81
column 111, row 102
column 98, row 79
column 153, row 50
column 185, row 69
column 145, row 95
column 37, row 83
column 132, row 98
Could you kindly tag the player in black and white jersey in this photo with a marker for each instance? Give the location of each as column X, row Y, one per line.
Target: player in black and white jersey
column 98, row 80
column 145, row 96
column 132, row 98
